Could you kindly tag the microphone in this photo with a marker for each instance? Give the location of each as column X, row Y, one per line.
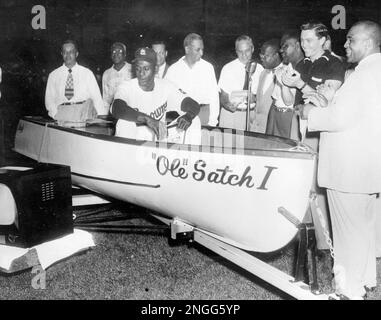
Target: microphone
column 252, row 66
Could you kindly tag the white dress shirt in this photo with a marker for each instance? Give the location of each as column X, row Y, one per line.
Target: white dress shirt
column 111, row 79
column 85, row 87
column 233, row 74
column 349, row 152
column 199, row 82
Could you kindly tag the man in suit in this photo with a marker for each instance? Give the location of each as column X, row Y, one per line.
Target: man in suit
column 161, row 54
column 350, row 161
column 378, row 227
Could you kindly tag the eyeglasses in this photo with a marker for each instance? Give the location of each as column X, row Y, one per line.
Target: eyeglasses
column 115, row 51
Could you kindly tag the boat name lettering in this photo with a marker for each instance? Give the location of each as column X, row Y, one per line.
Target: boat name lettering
column 225, row 176
column 163, row 166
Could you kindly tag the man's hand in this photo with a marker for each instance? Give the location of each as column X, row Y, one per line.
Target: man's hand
column 327, row 90
column 291, row 78
column 315, row 98
column 184, row 122
column 158, row 127
column 232, row 106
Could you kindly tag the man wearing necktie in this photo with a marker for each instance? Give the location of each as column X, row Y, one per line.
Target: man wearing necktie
column 271, row 62
column 281, row 114
column 69, row 88
column 72, row 91
column 233, row 84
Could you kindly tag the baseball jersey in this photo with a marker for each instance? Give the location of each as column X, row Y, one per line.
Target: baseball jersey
column 164, row 97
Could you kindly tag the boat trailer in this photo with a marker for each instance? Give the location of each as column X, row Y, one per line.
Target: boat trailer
column 303, row 286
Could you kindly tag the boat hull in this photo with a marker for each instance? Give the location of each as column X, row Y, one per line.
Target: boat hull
column 232, row 192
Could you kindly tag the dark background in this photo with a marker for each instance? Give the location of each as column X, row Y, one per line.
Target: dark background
column 27, row 55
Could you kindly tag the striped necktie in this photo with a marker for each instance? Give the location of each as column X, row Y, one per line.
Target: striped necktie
column 69, row 88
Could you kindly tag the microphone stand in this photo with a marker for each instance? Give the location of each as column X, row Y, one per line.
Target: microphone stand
column 248, row 104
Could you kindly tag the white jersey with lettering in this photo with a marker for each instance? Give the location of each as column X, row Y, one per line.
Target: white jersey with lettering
column 164, row 97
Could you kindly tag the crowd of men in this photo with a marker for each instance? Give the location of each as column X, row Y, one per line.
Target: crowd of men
column 270, row 87
column 301, row 90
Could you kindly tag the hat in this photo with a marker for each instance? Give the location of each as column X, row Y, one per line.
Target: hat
column 145, row 54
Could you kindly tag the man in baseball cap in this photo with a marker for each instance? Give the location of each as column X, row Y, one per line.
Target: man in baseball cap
column 141, row 104
column 145, row 54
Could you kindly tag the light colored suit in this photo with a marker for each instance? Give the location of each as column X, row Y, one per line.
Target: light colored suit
column 378, row 226
column 258, row 118
column 350, row 169
column 349, row 157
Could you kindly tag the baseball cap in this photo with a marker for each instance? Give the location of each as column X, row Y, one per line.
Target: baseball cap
column 145, row 54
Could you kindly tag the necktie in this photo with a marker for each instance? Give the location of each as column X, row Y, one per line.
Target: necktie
column 69, row 88
column 273, row 76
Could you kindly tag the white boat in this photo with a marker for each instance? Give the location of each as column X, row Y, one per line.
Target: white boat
column 232, row 186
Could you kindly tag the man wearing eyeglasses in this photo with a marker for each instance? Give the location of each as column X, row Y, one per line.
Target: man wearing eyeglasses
column 112, row 77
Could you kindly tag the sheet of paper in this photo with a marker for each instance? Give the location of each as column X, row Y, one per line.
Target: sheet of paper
column 175, row 135
column 238, row 95
column 49, row 252
column 8, row 254
column 55, row 250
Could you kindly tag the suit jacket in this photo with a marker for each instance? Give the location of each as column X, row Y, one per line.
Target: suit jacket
column 165, row 70
column 349, row 150
column 258, row 118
